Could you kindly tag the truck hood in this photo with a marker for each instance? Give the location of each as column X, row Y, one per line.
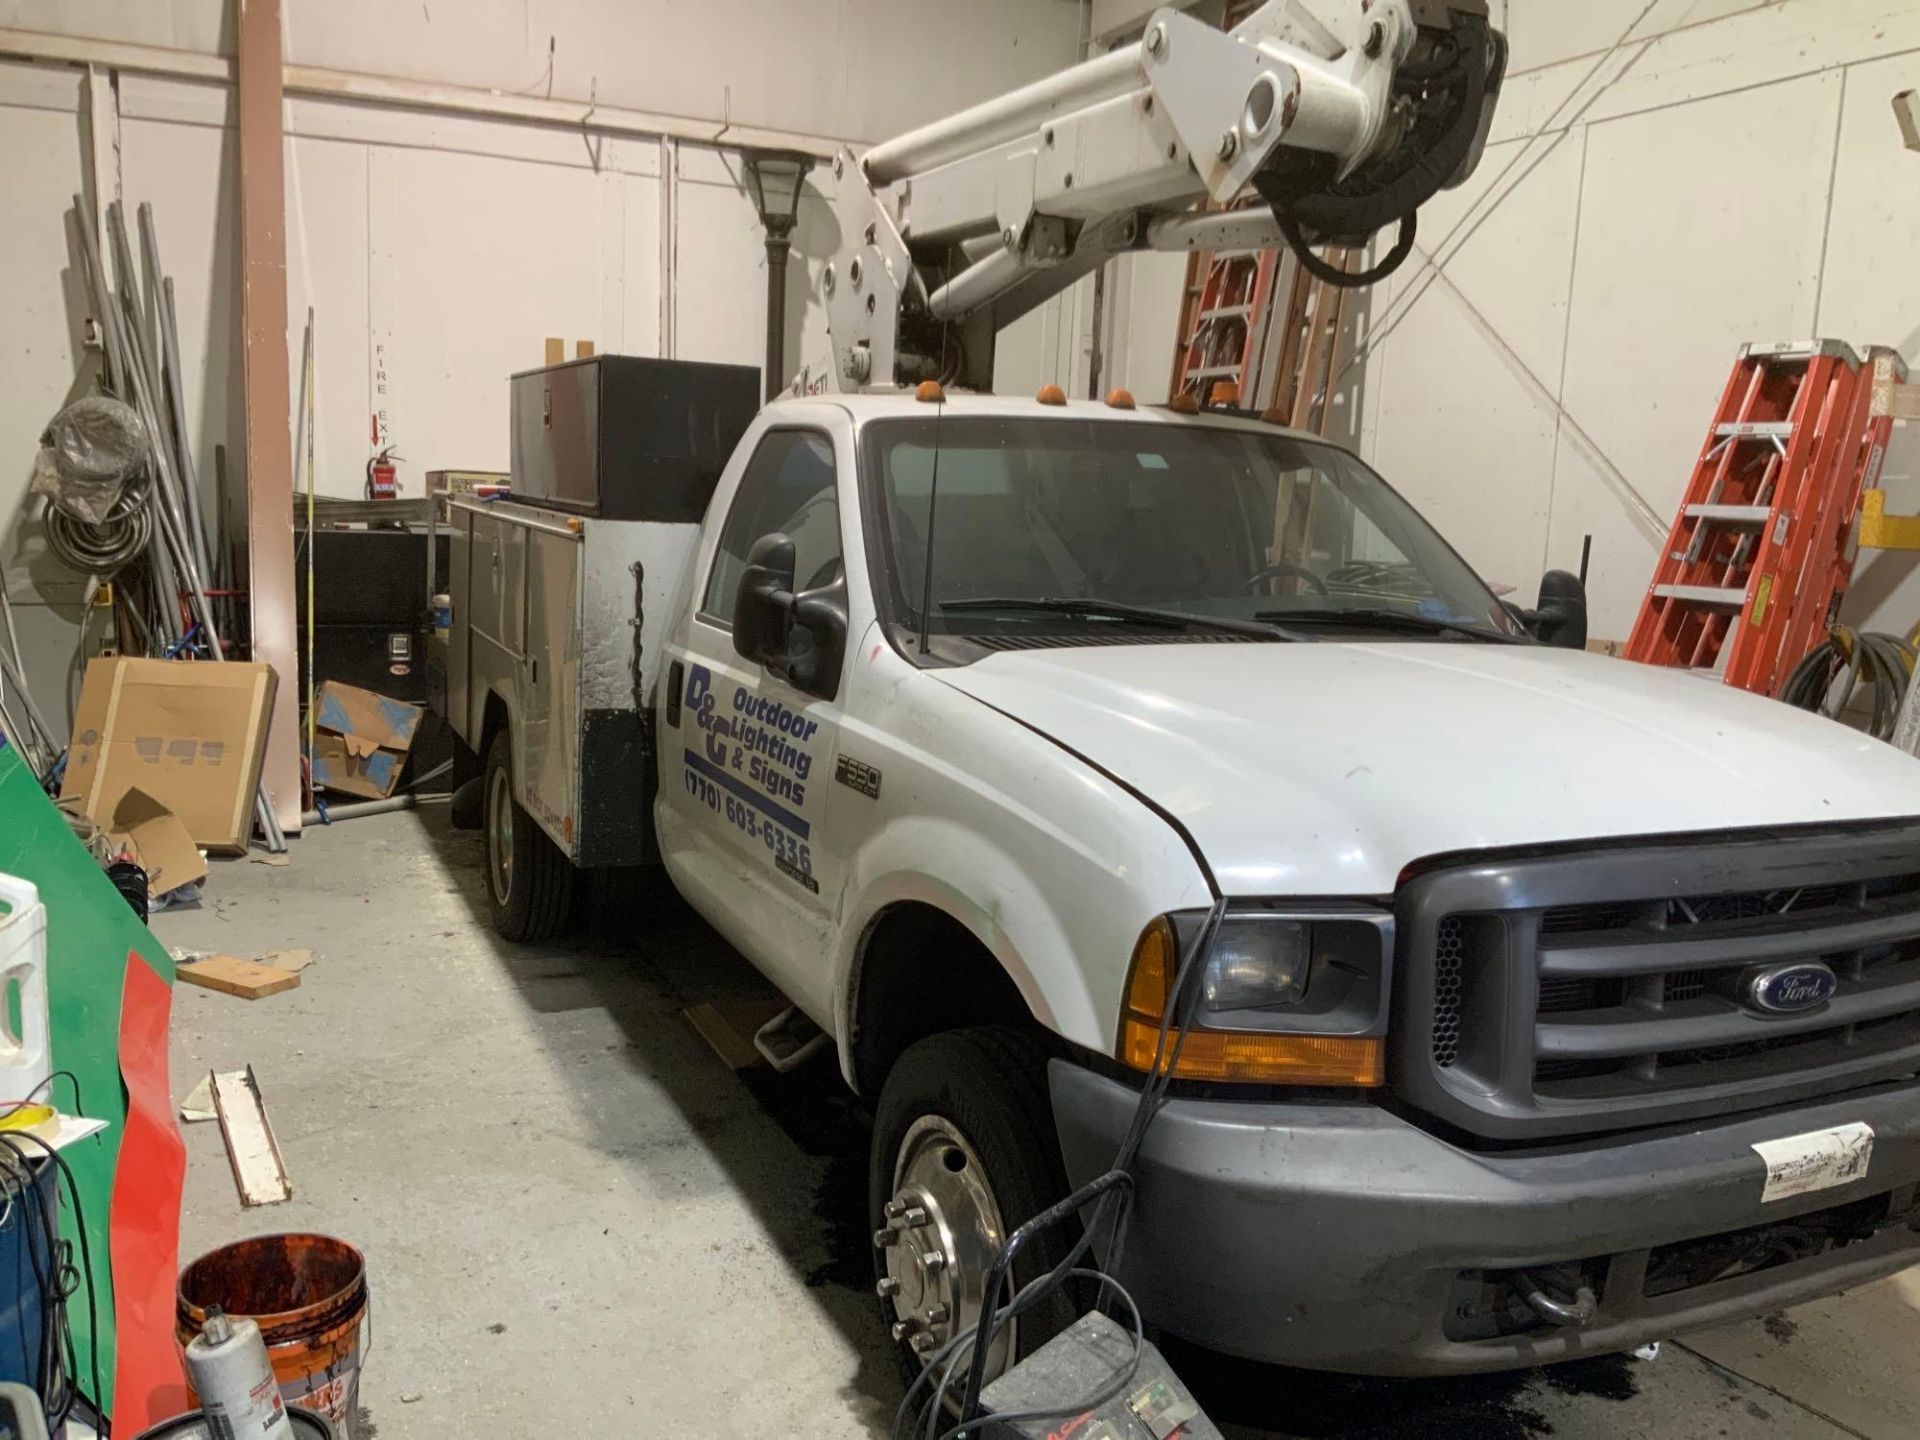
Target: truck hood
column 1325, row 769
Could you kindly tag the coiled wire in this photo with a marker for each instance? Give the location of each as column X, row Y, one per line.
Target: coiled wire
column 1830, row 676
column 103, row 549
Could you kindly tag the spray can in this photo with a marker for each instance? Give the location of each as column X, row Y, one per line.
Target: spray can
column 227, row 1362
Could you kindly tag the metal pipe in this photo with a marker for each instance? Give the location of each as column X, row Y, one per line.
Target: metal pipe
column 171, row 527
column 392, row 93
column 994, row 122
column 177, row 399
column 174, row 389
column 365, row 807
column 100, row 293
column 779, row 249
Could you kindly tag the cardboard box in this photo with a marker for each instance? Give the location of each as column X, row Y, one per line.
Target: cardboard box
column 154, row 836
column 361, row 740
column 191, row 734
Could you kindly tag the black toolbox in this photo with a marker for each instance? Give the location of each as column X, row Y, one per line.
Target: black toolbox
column 628, row 438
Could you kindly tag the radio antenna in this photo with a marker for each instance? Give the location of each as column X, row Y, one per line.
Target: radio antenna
column 933, row 494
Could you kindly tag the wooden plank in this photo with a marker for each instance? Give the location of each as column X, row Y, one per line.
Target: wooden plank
column 231, row 975
column 268, row 408
column 259, row 1171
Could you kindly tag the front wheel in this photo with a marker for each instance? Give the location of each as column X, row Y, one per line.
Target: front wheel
column 529, row 880
column 964, row 1153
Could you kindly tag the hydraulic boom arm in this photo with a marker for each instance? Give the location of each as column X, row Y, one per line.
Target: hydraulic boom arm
column 1343, row 115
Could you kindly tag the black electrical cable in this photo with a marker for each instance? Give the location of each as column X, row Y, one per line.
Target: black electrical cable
column 1122, row 1377
column 1296, row 239
column 54, row 1305
column 40, row 1239
column 14, row 1107
column 1182, row 998
column 1846, row 658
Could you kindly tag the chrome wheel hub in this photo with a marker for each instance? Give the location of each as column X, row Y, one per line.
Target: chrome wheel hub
column 940, row 1231
column 500, row 835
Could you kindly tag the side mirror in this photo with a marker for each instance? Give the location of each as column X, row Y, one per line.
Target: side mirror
column 763, row 603
column 817, row 648
column 1560, row 619
column 803, row 637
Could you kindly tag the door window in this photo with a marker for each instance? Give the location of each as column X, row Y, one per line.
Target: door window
column 788, row 487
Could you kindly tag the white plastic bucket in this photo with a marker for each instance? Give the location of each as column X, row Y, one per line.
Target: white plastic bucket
column 26, row 1059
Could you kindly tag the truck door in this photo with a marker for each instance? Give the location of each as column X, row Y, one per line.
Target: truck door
column 748, row 758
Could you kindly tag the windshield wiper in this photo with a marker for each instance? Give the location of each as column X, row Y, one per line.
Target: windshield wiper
column 1375, row 619
column 1092, row 609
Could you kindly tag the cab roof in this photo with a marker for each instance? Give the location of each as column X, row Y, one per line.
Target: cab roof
column 887, row 405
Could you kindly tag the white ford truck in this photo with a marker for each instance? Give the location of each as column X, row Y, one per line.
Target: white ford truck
column 1557, row 1004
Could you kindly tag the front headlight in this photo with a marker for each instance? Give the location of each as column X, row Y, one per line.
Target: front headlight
column 1293, row 999
column 1256, row 961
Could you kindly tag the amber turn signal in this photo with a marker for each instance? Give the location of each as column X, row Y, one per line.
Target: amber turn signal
column 930, row 392
column 1256, row 1057
column 1051, row 395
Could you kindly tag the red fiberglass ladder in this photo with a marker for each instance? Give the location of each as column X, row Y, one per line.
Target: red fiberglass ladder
column 1760, row 554
column 1223, row 325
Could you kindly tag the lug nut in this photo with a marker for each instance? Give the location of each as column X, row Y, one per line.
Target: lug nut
column 937, row 1315
column 886, row 1237
column 895, row 1209
column 886, row 1287
column 921, row 1343
column 933, row 1261
column 914, row 1218
column 1229, row 145
column 901, row 1329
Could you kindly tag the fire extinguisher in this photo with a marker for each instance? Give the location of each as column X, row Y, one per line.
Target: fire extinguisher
column 383, row 479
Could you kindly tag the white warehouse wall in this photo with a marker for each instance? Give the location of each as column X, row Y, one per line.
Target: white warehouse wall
column 439, row 250
column 1731, row 172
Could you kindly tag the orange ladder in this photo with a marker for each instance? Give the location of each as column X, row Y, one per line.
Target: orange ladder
column 1223, row 324
column 1760, row 554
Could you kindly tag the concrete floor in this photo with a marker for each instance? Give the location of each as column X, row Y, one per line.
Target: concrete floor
column 579, row 1221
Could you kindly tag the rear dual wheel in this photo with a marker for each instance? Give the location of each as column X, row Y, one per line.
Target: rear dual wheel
column 529, row 881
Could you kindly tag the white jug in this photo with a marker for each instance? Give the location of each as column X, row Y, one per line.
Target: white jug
column 26, row 1059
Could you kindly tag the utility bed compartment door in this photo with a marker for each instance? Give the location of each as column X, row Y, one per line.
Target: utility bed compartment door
column 549, row 756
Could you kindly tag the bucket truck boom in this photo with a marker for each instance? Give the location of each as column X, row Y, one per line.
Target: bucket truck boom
column 1342, row 115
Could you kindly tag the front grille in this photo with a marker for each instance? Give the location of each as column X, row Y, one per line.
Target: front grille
column 1613, row 995
column 1448, row 957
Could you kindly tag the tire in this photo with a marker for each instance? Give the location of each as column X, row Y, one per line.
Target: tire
column 529, row 882
column 989, row 1087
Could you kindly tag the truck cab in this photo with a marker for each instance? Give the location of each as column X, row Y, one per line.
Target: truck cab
column 1556, row 1003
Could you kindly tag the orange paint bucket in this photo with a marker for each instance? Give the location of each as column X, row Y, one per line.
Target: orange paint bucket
column 308, row 1294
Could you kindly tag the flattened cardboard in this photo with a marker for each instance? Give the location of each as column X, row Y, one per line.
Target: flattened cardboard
column 361, row 740
column 191, row 734
column 155, row 837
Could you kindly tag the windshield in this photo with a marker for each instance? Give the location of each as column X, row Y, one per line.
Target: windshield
column 1229, row 524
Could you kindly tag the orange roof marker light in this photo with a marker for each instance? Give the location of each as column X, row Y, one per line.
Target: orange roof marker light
column 1184, row 404
column 1120, row 398
column 930, row 392
column 1051, row 395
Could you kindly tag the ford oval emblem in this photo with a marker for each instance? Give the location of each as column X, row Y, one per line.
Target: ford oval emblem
column 1784, row 989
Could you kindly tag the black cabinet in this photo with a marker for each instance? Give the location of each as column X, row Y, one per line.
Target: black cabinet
column 628, row 438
